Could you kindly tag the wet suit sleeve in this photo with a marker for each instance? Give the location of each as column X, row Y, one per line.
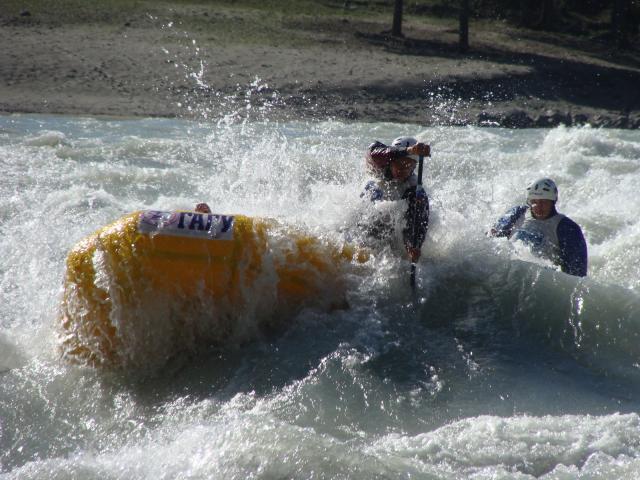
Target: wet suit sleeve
column 372, row 192
column 418, row 208
column 505, row 225
column 573, row 248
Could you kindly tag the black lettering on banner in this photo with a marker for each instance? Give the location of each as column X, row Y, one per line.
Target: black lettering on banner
column 181, row 222
column 196, row 220
column 214, row 224
column 227, row 223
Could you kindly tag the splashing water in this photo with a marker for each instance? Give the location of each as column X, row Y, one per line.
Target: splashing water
column 503, row 367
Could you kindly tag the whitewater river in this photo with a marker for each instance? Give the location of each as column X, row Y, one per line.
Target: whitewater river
column 499, row 367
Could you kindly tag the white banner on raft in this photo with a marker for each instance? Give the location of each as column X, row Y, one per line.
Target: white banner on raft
column 186, row 224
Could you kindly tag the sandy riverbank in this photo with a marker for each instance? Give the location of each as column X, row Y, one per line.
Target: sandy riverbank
column 194, row 61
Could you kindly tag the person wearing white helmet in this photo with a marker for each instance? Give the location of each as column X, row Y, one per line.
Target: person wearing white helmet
column 393, row 166
column 550, row 234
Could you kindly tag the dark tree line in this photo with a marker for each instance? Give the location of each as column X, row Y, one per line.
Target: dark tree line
column 624, row 22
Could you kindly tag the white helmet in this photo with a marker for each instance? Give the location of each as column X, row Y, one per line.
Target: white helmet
column 542, row 189
column 405, row 142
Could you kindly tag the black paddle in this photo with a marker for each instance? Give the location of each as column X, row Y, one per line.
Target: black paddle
column 414, row 227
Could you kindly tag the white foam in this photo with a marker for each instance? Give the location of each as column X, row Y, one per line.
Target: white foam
column 57, row 189
column 535, row 447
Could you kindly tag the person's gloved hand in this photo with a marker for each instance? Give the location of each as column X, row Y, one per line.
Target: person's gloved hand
column 419, row 149
column 414, row 254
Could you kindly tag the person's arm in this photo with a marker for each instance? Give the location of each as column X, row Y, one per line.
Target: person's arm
column 573, row 248
column 418, row 209
column 379, row 156
column 505, row 225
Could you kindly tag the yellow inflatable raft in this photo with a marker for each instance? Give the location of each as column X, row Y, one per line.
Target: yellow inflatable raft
column 155, row 283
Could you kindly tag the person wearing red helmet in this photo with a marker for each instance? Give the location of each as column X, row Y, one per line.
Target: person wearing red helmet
column 202, row 208
column 393, row 166
column 549, row 234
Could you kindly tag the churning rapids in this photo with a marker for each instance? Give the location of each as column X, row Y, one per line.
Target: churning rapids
column 500, row 367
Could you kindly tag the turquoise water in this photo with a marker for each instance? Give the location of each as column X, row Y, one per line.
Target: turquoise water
column 500, row 367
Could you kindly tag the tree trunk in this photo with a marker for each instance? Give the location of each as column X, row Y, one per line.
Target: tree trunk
column 549, row 14
column 396, row 29
column 619, row 22
column 538, row 14
column 529, row 13
column 464, row 25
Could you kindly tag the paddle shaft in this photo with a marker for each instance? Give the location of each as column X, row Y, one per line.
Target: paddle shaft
column 414, row 240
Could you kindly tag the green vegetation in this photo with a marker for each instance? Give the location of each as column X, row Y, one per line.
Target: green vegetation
column 64, row 12
column 250, row 21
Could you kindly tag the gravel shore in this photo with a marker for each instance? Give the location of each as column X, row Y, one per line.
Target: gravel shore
column 147, row 65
